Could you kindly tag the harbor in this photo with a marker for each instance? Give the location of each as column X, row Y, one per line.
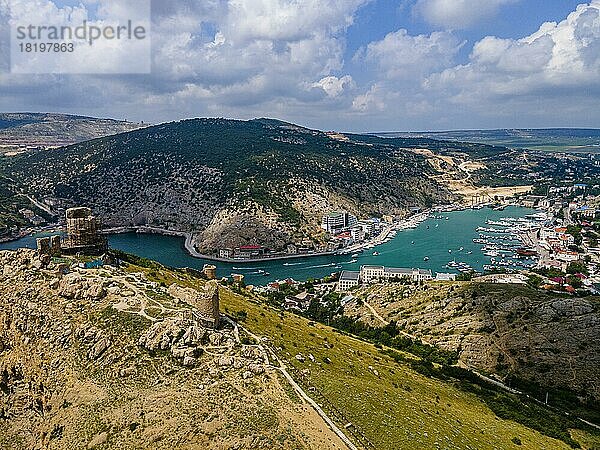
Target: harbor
column 434, row 240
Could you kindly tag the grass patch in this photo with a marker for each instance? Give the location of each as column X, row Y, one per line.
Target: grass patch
column 393, row 404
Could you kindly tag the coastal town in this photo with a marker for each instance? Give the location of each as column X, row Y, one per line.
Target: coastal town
column 554, row 248
column 320, row 225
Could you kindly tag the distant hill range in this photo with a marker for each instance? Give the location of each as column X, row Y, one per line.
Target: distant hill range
column 551, row 139
column 259, row 182
column 235, row 182
column 20, row 131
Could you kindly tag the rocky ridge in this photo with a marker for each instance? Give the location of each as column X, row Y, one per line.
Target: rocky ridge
column 18, row 130
column 499, row 329
column 230, row 182
column 107, row 358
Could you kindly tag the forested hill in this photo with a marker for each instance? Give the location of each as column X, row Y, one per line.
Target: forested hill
column 234, row 182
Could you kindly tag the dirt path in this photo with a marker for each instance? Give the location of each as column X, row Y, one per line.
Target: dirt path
column 282, row 368
column 376, row 314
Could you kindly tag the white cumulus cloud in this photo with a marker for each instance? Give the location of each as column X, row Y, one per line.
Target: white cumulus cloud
column 399, row 54
column 286, row 59
column 556, row 57
column 334, row 86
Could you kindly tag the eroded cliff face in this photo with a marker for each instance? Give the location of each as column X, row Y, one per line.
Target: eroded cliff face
column 106, row 358
column 500, row 329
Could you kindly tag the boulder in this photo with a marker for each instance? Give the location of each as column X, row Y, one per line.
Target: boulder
column 226, row 361
column 99, row 348
column 189, row 361
column 162, row 335
column 256, row 369
column 98, row 440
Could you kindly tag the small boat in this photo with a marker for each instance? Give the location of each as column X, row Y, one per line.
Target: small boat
column 413, row 242
column 449, row 251
column 266, row 274
column 355, row 255
column 426, row 258
column 526, row 252
column 375, row 253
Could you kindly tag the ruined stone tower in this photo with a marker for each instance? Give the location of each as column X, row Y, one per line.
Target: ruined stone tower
column 49, row 246
column 82, row 233
column 209, row 306
column 205, row 302
column 210, row 271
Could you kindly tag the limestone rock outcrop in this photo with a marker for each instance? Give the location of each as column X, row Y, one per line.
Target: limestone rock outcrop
column 502, row 330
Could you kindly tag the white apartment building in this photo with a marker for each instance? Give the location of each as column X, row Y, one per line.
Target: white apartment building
column 337, row 221
column 369, row 274
column 348, row 280
column 372, row 274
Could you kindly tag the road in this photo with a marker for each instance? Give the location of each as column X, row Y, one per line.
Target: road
column 470, row 369
column 38, row 204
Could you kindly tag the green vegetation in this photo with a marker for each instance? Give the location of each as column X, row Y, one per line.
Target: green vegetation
column 130, row 324
column 575, row 231
column 410, row 394
column 10, row 205
column 563, row 399
column 447, row 397
column 429, row 405
column 569, row 140
column 520, row 409
column 526, row 412
column 226, row 164
column 577, row 267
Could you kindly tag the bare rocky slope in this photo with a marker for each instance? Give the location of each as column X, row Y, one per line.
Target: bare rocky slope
column 107, row 359
column 53, row 130
column 116, row 358
column 21, row 133
column 515, row 332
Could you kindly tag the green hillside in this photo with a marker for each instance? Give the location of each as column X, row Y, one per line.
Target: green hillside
column 116, row 358
column 387, row 397
column 182, row 175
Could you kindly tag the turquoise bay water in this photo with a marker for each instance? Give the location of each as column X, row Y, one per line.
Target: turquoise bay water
column 429, row 241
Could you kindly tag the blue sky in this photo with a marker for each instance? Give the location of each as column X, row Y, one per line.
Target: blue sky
column 374, row 20
column 350, row 65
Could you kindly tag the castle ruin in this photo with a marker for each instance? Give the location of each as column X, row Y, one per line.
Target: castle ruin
column 82, row 236
column 50, row 245
column 205, row 301
column 210, row 271
column 82, row 233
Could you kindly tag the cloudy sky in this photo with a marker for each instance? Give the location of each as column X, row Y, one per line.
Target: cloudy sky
column 350, row 65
